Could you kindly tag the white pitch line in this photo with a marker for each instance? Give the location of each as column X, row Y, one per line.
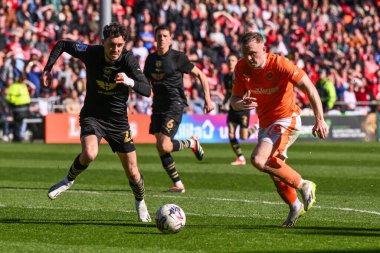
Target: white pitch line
column 271, row 203
column 219, row 199
column 349, row 209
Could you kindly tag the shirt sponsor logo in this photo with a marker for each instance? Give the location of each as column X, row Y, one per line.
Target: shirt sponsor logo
column 105, row 85
column 264, row 91
column 158, row 76
column 81, row 47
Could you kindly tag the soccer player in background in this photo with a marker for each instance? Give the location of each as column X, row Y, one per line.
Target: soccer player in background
column 236, row 118
column 111, row 73
column 164, row 69
column 265, row 81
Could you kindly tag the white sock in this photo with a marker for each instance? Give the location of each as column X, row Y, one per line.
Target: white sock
column 301, row 182
column 296, row 204
column 192, row 143
column 178, row 183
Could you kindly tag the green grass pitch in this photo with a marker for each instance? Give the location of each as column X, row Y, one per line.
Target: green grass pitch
column 229, row 209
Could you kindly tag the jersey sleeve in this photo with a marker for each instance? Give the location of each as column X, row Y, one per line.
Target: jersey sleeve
column 185, row 65
column 75, row 49
column 147, row 63
column 238, row 83
column 289, row 70
column 134, row 71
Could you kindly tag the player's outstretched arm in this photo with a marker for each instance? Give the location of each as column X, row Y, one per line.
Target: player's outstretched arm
column 60, row 47
column 209, row 105
column 320, row 128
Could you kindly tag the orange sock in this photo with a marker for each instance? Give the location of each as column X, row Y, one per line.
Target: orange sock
column 287, row 193
column 277, row 167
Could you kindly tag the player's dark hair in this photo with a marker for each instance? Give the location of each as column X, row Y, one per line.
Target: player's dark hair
column 252, row 36
column 115, row 30
column 162, row 27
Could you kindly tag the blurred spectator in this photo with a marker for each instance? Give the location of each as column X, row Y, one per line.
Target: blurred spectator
column 143, row 105
column 5, row 115
column 326, row 91
column 44, row 104
column 147, row 36
column 80, row 82
column 140, row 52
column 340, row 36
column 72, row 103
column 196, row 102
column 19, row 99
column 65, row 76
column 34, row 70
column 349, row 98
column 362, row 93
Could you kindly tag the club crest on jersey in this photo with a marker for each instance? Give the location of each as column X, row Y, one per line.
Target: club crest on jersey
column 81, row 47
column 107, row 72
column 158, row 64
column 269, row 75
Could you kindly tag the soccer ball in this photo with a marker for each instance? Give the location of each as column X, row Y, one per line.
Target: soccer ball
column 170, row 219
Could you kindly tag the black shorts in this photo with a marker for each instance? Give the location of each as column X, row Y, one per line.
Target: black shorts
column 240, row 118
column 115, row 131
column 165, row 123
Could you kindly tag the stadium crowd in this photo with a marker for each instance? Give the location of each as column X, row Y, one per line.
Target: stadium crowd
column 336, row 42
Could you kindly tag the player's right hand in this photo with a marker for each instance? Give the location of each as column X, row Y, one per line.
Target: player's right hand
column 249, row 102
column 46, row 79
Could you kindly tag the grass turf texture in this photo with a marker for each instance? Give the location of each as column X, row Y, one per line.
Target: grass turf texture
column 228, row 208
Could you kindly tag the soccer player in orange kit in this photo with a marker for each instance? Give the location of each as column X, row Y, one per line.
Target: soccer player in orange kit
column 265, row 81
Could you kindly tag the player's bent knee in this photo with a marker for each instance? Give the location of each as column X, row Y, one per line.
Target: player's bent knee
column 165, row 147
column 258, row 163
column 134, row 175
column 89, row 156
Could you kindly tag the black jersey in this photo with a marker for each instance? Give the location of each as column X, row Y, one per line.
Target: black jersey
column 104, row 97
column 228, row 84
column 165, row 73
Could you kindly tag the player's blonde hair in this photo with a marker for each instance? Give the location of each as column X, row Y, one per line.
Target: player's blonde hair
column 252, row 36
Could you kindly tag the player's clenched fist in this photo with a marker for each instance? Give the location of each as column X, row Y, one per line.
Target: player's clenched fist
column 46, row 79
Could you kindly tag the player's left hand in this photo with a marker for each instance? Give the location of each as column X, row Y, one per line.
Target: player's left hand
column 46, row 79
column 124, row 79
column 208, row 107
column 320, row 129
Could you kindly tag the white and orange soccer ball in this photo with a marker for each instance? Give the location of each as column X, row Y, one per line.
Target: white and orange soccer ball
column 170, row 219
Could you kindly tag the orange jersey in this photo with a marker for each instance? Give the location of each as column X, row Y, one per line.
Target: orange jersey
column 272, row 86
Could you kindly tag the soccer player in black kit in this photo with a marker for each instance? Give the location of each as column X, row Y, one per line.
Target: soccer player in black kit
column 111, row 73
column 164, row 69
column 236, row 118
